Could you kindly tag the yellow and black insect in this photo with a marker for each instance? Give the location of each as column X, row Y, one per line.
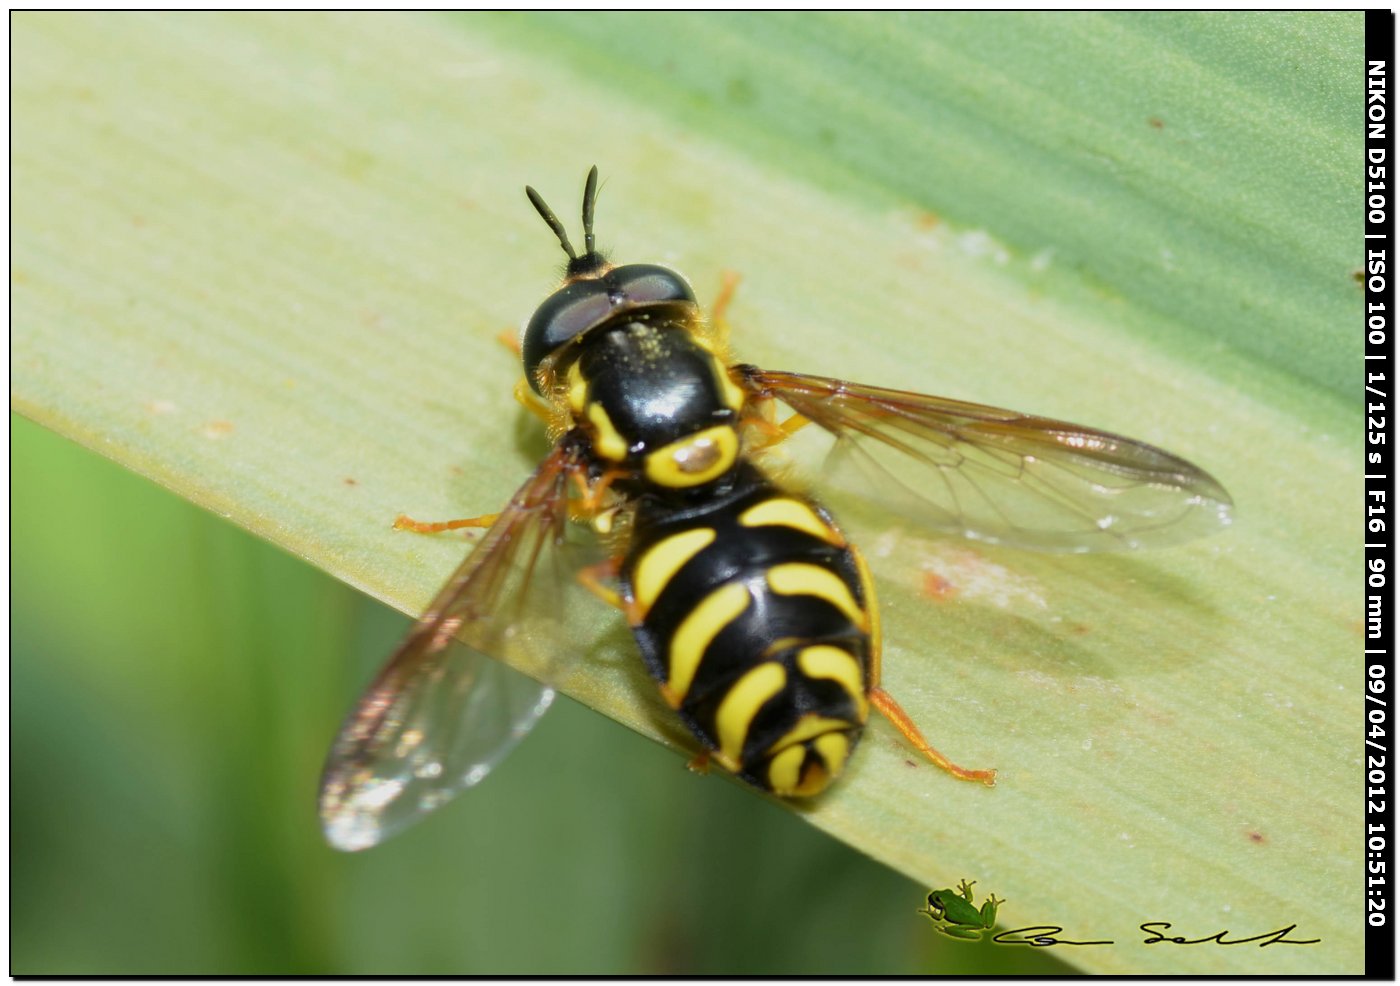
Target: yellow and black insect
column 750, row 607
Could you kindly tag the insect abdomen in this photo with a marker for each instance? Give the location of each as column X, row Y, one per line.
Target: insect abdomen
column 752, row 615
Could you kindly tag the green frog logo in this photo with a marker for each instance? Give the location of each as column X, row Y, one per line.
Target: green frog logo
column 952, row 913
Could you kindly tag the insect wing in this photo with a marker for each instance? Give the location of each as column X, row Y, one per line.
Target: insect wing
column 1000, row 476
column 440, row 715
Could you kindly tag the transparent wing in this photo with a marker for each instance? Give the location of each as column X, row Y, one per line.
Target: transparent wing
column 1000, row 476
column 440, row 715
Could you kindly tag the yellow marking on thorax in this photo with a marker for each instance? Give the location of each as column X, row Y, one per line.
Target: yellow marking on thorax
column 715, row 612
column 607, row 442
column 730, row 392
column 577, row 389
column 785, row 511
column 746, row 696
column 840, row 666
column 695, row 459
column 802, row 579
column 659, row 564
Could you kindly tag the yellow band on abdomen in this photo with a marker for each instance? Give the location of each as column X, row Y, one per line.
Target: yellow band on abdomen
column 802, row 579
column 746, row 696
column 784, row 511
column 660, row 563
column 840, row 666
column 715, row 612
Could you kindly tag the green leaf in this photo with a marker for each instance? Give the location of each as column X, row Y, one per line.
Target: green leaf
column 262, row 260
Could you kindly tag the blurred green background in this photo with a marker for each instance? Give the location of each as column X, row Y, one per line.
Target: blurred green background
column 170, row 714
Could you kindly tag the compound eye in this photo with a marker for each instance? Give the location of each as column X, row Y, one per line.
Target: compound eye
column 646, row 283
column 563, row 315
column 579, row 306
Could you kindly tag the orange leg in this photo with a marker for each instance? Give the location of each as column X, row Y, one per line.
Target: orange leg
column 406, row 523
column 595, row 579
column 775, row 433
column 889, row 708
column 510, row 339
column 533, row 403
column 591, row 497
column 770, row 432
column 793, row 425
column 718, row 311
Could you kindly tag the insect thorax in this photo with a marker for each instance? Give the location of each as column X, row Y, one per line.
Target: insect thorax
column 654, row 399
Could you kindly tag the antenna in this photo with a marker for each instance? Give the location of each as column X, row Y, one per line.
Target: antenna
column 547, row 214
column 590, row 198
column 591, row 260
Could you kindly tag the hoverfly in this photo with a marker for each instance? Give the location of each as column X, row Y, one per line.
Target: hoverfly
column 751, row 609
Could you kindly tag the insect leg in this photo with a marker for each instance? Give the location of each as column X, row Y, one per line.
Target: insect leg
column 781, row 432
column 510, row 339
column 793, row 425
column 890, row 709
column 595, row 579
column 771, row 432
column 719, row 323
column 405, row 523
column 884, row 702
column 592, row 493
column 533, row 403
column 524, row 394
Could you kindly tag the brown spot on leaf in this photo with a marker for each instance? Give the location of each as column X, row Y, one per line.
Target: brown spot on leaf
column 937, row 587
